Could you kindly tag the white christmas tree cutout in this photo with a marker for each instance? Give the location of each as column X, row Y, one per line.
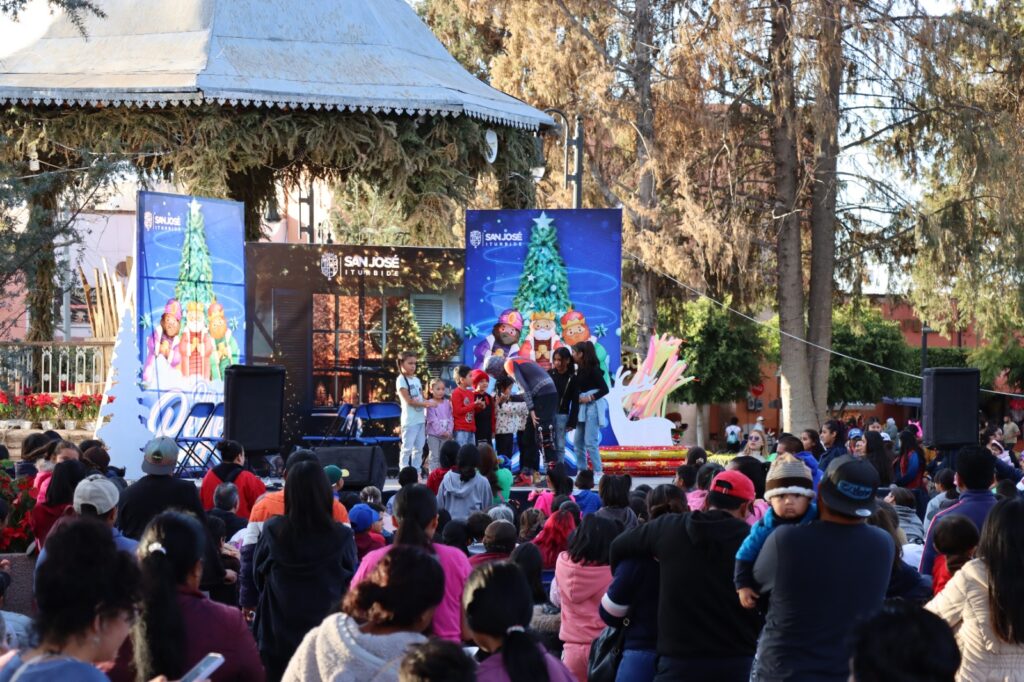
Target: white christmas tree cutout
column 125, row 434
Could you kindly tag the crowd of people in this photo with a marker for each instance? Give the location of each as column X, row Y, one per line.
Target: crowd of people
column 830, row 557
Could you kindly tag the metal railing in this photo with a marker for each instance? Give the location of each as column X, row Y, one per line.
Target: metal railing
column 54, row 366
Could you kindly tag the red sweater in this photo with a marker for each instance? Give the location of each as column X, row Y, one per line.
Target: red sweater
column 435, row 478
column 464, row 409
column 250, row 487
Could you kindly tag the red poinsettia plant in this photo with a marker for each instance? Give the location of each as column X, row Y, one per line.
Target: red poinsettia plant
column 16, row 534
column 74, row 406
column 41, row 406
column 91, row 405
column 6, row 405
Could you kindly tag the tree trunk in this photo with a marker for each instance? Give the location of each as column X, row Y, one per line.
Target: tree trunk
column 43, row 271
column 823, row 201
column 647, row 188
column 799, row 412
column 699, row 425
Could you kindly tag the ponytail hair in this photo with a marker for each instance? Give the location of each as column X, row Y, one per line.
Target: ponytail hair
column 498, row 602
column 230, row 450
column 415, row 509
column 403, row 586
column 469, row 460
column 172, row 544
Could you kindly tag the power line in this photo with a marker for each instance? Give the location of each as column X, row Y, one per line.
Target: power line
column 775, row 329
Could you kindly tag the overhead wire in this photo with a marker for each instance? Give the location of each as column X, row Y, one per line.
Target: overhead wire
column 777, row 330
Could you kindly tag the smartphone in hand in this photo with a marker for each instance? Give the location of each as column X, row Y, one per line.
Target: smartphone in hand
column 204, row 668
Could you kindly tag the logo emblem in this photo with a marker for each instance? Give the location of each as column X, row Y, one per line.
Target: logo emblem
column 476, row 238
column 147, row 220
column 329, row 265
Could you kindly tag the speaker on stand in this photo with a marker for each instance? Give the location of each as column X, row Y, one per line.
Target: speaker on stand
column 254, row 409
column 949, row 406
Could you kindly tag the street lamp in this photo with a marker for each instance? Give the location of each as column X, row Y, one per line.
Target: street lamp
column 575, row 141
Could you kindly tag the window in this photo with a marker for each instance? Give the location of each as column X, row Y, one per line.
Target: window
column 429, row 314
column 340, row 352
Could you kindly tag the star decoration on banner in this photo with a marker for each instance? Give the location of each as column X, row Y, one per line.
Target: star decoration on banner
column 543, row 221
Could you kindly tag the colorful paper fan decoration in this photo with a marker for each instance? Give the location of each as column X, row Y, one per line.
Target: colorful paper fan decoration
column 665, row 370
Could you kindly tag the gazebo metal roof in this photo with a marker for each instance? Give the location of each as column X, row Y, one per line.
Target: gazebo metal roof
column 355, row 55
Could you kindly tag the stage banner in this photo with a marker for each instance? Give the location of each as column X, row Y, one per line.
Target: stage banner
column 538, row 280
column 336, row 317
column 191, row 303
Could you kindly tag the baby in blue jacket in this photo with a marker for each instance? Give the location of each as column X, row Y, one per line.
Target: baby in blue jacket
column 789, row 489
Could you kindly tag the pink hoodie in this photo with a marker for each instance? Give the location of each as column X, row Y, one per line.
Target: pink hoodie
column 580, row 589
column 542, row 500
column 448, row 617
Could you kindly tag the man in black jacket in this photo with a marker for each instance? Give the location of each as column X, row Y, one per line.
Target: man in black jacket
column 703, row 632
column 157, row 491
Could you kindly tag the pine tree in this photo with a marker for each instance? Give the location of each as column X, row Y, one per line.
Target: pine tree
column 195, row 278
column 403, row 335
column 126, row 434
column 544, row 285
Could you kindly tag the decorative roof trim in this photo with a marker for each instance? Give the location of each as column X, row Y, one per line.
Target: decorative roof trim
column 70, row 98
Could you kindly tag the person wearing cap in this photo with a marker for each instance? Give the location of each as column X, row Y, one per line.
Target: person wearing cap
column 336, row 476
column 789, row 489
column 499, row 541
column 96, row 496
column 157, row 491
column 703, row 631
column 823, row 578
column 485, row 419
column 366, row 524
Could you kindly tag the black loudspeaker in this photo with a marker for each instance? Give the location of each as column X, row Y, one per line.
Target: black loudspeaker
column 949, row 406
column 365, row 464
column 253, row 406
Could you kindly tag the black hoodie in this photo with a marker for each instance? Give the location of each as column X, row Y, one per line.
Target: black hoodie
column 300, row 581
column 700, row 614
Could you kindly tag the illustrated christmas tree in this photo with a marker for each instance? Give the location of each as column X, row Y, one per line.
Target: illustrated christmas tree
column 195, row 278
column 403, row 335
column 544, row 285
column 126, row 433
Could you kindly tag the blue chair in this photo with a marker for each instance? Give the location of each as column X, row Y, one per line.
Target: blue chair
column 339, row 430
column 207, row 435
column 373, row 417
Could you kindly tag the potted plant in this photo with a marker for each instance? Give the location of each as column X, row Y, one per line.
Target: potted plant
column 42, row 408
column 16, row 536
column 71, row 410
column 6, row 407
column 19, row 411
column 91, row 407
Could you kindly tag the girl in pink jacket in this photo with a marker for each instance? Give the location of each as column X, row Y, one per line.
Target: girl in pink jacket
column 582, row 576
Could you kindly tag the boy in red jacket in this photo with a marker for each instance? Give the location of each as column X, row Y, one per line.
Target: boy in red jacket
column 465, row 404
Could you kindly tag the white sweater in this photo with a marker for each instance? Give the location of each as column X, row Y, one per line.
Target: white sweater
column 963, row 603
column 337, row 651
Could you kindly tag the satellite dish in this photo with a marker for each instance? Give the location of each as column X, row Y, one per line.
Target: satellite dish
column 491, row 138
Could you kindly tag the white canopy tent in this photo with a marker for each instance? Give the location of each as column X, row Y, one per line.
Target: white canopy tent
column 355, row 55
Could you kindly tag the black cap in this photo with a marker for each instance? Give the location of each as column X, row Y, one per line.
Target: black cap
column 849, row 486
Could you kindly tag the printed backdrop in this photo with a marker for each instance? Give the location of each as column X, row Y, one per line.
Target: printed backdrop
column 191, row 302
column 537, row 280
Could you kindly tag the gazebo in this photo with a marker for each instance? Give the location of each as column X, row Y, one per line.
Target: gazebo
column 232, row 97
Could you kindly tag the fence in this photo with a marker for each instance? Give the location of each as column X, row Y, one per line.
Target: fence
column 54, row 366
